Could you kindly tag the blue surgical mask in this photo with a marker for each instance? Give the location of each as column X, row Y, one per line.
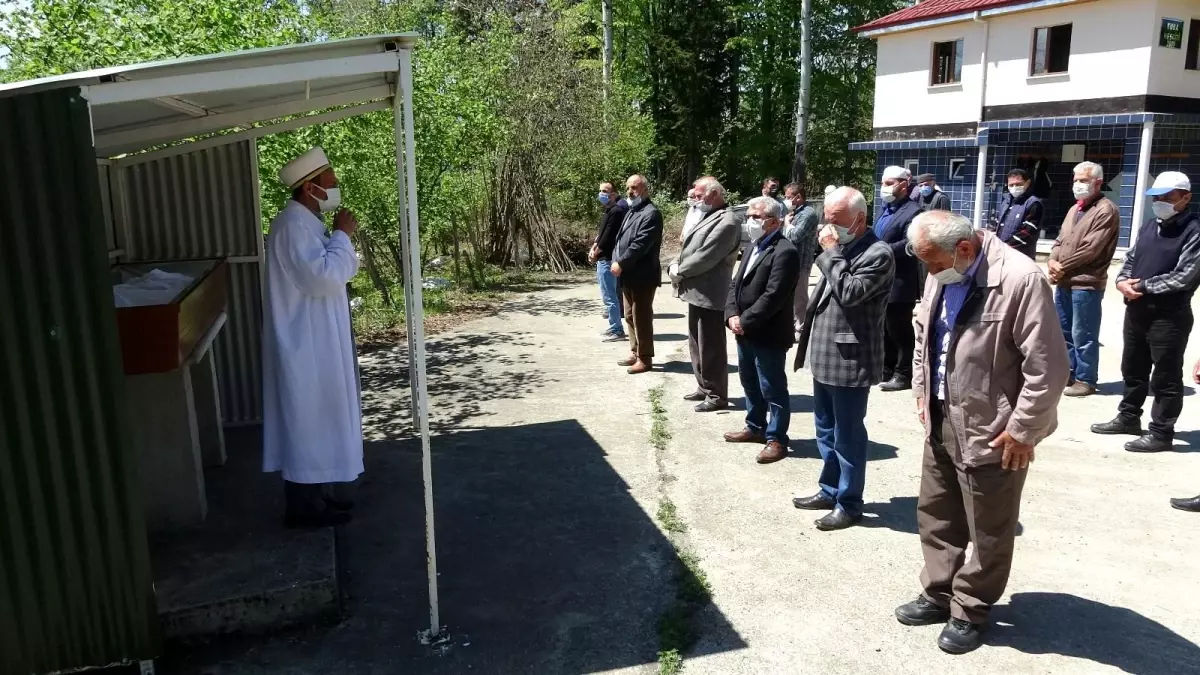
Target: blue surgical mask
column 926, row 190
column 603, row 197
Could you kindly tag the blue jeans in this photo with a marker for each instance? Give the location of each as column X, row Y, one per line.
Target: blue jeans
column 762, row 370
column 611, row 295
column 1079, row 315
column 839, row 414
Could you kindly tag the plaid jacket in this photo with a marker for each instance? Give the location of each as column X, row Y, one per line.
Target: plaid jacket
column 842, row 336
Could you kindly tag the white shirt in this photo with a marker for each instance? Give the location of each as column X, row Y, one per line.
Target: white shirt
column 691, row 220
column 312, row 416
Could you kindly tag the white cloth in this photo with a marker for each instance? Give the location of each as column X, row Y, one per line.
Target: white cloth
column 312, row 416
column 156, row 287
column 690, row 221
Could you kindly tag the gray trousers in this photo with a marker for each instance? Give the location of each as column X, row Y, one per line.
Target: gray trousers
column 707, row 344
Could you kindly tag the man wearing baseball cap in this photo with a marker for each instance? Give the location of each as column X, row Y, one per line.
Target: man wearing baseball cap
column 1159, row 277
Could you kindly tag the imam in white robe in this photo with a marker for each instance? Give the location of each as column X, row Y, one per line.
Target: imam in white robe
column 312, row 416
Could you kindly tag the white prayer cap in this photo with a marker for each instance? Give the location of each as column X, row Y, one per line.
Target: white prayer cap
column 829, row 189
column 304, row 167
column 897, row 173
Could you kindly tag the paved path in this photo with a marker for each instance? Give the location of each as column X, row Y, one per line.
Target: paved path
column 552, row 561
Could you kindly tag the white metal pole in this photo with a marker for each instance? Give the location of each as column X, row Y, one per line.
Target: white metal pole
column 981, row 171
column 980, row 177
column 1143, row 172
column 410, row 234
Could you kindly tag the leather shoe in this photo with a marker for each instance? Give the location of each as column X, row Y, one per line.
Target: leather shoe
column 837, row 519
column 897, row 383
column 921, row 612
column 744, row 436
column 338, row 504
column 774, row 452
column 313, row 521
column 640, row 366
column 960, row 637
column 711, row 406
column 1079, row 390
column 696, row 396
column 1118, row 426
column 627, row 362
column 1186, row 504
column 817, row 502
column 1148, row 443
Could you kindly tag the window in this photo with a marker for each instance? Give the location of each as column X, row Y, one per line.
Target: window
column 1051, row 50
column 1192, row 60
column 947, row 62
column 956, row 168
column 912, row 165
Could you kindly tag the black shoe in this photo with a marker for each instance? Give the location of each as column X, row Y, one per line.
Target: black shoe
column 312, row 521
column 960, row 637
column 696, row 396
column 1186, row 504
column 1148, row 443
column 817, row 502
column 338, row 504
column 837, row 519
column 712, row 406
column 1119, row 426
column 921, row 612
column 897, row 383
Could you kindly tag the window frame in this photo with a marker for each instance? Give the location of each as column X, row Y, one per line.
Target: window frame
column 1191, row 45
column 1033, row 50
column 956, row 63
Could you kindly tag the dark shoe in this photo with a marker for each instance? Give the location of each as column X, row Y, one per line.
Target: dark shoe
column 1185, row 504
column 627, row 362
column 744, row 436
column 897, row 383
column 614, row 337
column 641, row 366
column 1079, row 390
column 817, row 502
column 960, row 637
column 696, row 396
column 313, row 521
column 1148, row 443
column 338, row 504
column 712, row 406
column 774, row 452
column 837, row 519
column 1119, row 426
column 921, row 612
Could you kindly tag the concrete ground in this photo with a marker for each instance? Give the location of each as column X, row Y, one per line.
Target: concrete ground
column 552, row 561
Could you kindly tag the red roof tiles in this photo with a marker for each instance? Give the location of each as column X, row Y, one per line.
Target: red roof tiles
column 933, row 9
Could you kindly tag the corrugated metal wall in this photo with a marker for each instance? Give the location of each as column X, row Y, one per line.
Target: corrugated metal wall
column 202, row 204
column 75, row 584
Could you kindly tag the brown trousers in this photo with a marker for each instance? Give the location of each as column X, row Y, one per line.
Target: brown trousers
column 639, row 315
column 960, row 505
column 710, row 356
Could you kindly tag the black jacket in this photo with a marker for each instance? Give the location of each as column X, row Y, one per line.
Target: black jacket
column 610, row 225
column 763, row 298
column 909, row 282
column 639, row 246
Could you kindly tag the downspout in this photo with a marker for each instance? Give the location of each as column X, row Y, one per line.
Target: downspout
column 981, row 169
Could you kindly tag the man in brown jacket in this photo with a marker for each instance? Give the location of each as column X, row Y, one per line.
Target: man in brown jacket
column 988, row 371
column 1079, row 268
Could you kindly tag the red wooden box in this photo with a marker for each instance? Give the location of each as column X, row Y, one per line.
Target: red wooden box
column 160, row 338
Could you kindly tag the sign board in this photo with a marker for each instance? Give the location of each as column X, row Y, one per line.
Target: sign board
column 1171, row 35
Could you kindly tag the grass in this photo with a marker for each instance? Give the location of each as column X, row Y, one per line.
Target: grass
column 676, row 625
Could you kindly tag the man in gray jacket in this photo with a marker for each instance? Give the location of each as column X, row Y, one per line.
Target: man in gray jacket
column 701, row 273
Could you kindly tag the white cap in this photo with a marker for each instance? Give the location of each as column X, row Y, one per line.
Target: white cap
column 829, row 189
column 1169, row 181
column 896, row 172
column 304, row 167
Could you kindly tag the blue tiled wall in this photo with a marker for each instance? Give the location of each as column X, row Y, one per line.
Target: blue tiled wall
column 937, row 162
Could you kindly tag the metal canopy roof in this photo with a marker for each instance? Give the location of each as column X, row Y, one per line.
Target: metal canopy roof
column 146, row 105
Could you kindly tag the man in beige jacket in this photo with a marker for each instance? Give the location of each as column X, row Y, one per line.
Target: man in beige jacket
column 989, row 368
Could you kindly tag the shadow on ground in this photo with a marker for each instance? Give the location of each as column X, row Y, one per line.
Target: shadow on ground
column 1058, row 623
column 899, row 514
column 685, row 367
column 546, row 562
column 1118, row 388
column 807, row 448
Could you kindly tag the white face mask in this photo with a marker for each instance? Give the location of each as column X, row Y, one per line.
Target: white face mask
column 950, row 275
column 843, row 233
column 1082, row 189
column 333, row 199
column 1163, row 210
column 753, row 228
column 692, row 202
column 703, row 207
column 1016, row 190
column 888, row 192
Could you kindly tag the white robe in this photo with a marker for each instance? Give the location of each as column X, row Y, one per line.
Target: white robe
column 312, row 416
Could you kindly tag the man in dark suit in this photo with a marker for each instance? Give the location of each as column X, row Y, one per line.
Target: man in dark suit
column 892, row 228
column 635, row 263
column 759, row 312
column 842, row 339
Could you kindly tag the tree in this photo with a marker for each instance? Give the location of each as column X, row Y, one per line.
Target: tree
column 799, row 167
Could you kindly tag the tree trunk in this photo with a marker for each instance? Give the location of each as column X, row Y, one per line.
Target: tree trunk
column 368, row 255
column 800, row 161
column 606, row 12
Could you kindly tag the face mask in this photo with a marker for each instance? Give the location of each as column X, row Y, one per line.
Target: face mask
column 1016, row 190
column 1163, row 210
column 888, row 192
column 703, row 207
column 692, row 202
column 753, row 228
column 333, row 199
column 634, row 200
column 1082, row 189
column 926, row 190
column 950, row 275
column 843, row 233
column 603, row 197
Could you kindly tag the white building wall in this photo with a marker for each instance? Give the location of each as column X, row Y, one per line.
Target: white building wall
column 1168, row 77
column 903, row 95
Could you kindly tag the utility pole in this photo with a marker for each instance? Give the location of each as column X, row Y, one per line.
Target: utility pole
column 799, row 165
column 606, row 17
